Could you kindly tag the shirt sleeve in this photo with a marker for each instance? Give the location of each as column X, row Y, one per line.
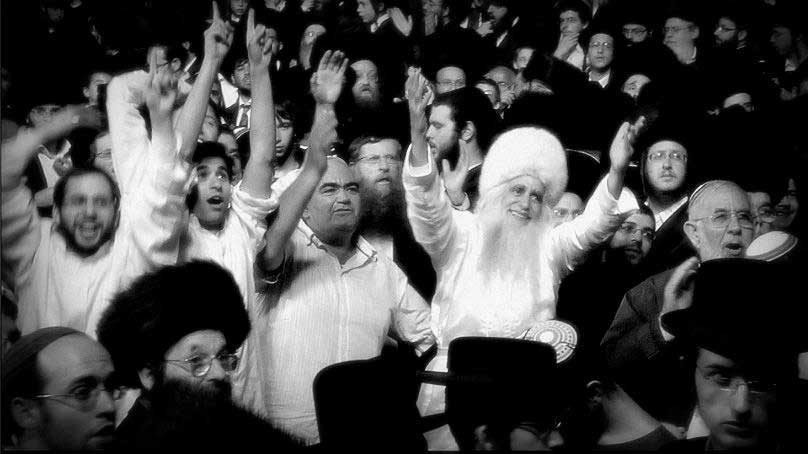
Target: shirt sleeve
column 252, row 213
column 634, row 334
column 429, row 211
column 411, row 321
column 21, row 233
column 571, row 241
column 127, row 129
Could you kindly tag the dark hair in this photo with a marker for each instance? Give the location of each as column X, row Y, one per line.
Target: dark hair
column 577, row 6
column 357, row 144
column 173, row 50
column 490, row 83
column 469, row 104
column 61, row 185
column 646, row 210
column 205, row 150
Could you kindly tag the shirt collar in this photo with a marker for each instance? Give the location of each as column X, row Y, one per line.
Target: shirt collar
column 362, row 245
column 379, row 21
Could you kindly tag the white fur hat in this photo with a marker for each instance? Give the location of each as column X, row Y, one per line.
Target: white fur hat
column 526, row 151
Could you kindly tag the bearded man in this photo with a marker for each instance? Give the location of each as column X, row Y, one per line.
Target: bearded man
column 499, row 268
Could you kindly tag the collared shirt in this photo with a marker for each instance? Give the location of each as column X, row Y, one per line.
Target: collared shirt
column 244, row 108
column 315, row 312
column 379, row 21
column 47, row 160
column 577, row 57
column 603, row 81
column 504, row 34
column 665, row 214
column 57, row 287
column 693, row 57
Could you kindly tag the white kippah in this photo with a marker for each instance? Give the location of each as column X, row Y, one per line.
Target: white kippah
column 526, row 151
column 771, row 246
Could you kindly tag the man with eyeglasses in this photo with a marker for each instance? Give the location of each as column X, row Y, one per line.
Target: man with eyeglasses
column 600, row 57
column 378, row 162
column 719, row 225
column 569, row 207
column 173, row 334
column 741, row 383
column 59, row 393
column 679, row 34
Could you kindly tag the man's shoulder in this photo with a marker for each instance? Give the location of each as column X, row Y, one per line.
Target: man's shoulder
column 651, row 285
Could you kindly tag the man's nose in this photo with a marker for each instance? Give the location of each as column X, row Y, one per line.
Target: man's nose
column 105, row 406
column 216, row 371
column 734, row 225
column 741, row 400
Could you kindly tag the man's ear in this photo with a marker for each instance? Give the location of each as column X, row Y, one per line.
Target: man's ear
column 57, row 217
column 146, row 376
column 692, row 233
column 306, row 215
column 742, row 35
column 695, row 32
column 86, row 92
column 26, row 413
column 469, row 132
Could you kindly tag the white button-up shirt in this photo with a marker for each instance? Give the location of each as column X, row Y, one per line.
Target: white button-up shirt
column 316, row 312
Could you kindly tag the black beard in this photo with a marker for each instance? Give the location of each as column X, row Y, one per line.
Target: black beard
column 180, row 402
column 382, row 213
column 79, row 249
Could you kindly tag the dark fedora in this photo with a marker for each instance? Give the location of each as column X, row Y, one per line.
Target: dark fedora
column 742, row 309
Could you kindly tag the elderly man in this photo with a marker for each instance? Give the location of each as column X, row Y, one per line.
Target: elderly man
column 719, row 225
column 377, row 162
column 172, row 334
column 58, row 391
column 313, row 254
column 66, row 270
column 723, row 357
column 498, row 268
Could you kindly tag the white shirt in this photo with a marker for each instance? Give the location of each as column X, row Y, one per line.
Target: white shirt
column 603, row 81
column 319, row 313
column 46, row 163
column 379, row 21
column 241, row 111
column 57, row 287
column 577, row 57
column 664, row 215
column 463, row 304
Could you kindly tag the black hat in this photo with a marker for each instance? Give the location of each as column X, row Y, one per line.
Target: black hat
column 160, row 308
column 742, row 309
column 503, row 381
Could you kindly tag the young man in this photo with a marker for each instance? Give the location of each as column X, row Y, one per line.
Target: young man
column 67, row 269
column 173, row 334
column 313, row 254
column 498, row 268
column 573, row 18
column 59, row 389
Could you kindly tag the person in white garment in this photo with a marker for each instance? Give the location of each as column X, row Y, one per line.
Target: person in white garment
column 65, row 270
column 326, row 294
column 499, row 268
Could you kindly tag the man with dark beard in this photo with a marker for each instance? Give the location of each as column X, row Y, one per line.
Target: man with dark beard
column 498, row 268
column 173, row 334
column 383, row 221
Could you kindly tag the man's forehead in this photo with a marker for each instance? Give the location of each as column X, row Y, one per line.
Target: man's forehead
column 338, row 172
column 677, row 21
column 363, row 65
column 441, row 113
column 667, row 145
column 74, row 356
column 641, row 219
column 382, row 146
column 601, row 37
column 88, row 183
column 720, row 197
column 451, row 71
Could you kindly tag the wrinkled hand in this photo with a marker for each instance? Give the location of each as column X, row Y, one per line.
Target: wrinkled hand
column 218, row 37
column 623, row 144
column 306, row 5
column 403, row 23
column 484, row 29
column 326, row 82
column 678, row 293
column 259, row 43
column 455, row 178
column 566, row 44
column 418, row 97
column 161, row 92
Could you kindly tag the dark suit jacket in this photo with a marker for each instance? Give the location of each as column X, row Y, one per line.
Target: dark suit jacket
column 649, row 368
column 670, row 247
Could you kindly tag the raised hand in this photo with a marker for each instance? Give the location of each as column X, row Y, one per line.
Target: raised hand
column 484, row 29
column 566, row 44
column 259, row 43
column 160, row 93
column 326, row 82
column 455, row 178
column 418, row 97
column 218, row 37
column 403, row 23
column 678, row 293
column 622, row 147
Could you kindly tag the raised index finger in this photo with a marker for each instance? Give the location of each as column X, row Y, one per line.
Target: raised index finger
column 215, row 12
column 251, row 19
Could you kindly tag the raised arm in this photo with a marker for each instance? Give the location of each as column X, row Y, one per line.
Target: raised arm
column 326, row 85
column 20, row 232
column 258, row 173
column 218, row 38
column 418, row 98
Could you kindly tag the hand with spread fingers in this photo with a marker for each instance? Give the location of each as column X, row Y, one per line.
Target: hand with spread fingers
column 678, row 293
column 622, row 148
column 326, row 82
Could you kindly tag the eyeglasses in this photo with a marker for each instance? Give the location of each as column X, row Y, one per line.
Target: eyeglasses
column 631, row 229
column 377, row 159
column 721, row 219
column 721, row 28
column 766, row 214
column 667, row 30
column 87, row 396
column 730, row 385
column 634, row 31
column 657, row 156
column 599, row 44
column 564, row 212
column 200, row 365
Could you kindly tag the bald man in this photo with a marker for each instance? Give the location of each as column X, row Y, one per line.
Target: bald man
column 719, row 225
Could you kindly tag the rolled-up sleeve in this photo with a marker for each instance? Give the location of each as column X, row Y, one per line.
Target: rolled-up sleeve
column 252, row 213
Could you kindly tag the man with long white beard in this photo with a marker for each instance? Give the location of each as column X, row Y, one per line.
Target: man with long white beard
column 499, row 268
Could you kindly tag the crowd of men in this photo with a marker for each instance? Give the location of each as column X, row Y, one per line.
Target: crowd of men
column 404, row 225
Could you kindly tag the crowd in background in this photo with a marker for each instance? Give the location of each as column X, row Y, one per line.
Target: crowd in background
column 404, row 224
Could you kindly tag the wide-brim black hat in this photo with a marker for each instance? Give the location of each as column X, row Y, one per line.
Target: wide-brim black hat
column 743, row 310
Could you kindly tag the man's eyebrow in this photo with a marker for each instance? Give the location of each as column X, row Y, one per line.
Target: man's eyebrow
column 83, row 380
